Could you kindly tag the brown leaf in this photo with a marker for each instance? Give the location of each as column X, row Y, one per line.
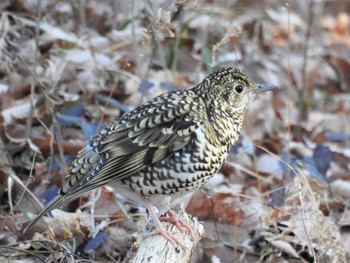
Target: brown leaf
column 221, row 206
column 200, row 205
column 328, row 206
column 69, row 147
column 226, row 210
column 342, row 67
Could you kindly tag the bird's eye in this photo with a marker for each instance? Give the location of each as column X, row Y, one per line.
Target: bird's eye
column 239, row 89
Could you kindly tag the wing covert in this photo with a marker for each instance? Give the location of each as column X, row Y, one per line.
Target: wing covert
column 147, row 135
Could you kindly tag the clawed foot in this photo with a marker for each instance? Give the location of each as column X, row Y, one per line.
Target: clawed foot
column 178, row 223
column 166, row 234
column 160, row 230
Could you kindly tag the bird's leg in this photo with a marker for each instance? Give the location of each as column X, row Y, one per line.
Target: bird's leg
column 172, row 218
column 160, row 230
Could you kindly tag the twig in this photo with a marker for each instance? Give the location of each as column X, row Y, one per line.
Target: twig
column 304, row 104
column 304, row 217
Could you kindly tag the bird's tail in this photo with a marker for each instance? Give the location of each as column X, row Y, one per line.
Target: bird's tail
column 63, row 197
column 49, row 207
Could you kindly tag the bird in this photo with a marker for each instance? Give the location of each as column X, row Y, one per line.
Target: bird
column 171, row 145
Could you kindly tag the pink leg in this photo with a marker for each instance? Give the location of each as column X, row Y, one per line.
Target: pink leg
column 160, row 228
column 177, row 222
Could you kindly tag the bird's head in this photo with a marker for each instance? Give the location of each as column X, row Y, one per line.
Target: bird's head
column 229, row 90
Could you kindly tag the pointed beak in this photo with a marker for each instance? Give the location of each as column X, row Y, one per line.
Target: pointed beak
column 264, row 87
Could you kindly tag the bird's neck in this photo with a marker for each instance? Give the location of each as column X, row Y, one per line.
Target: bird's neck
column 224, row 128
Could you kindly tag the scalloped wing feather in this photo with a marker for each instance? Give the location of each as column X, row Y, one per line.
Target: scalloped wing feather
column 143, row 137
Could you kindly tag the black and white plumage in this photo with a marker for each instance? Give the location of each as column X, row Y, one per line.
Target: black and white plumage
column 168, row 146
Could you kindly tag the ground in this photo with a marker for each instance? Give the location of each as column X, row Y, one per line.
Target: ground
column 68, row 68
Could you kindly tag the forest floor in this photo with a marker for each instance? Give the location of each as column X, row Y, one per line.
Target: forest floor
column 68, row 68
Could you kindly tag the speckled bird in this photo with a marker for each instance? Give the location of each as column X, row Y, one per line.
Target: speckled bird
column 171, row 145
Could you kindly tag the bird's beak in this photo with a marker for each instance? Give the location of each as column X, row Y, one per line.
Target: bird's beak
column 264, row 87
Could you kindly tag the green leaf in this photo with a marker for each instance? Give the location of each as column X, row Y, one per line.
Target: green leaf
column 207, row 59
column 125, row 24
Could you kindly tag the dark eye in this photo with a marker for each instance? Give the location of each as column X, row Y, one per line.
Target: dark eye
column 239, row 89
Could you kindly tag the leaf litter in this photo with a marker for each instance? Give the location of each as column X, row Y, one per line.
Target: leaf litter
column 282, row 194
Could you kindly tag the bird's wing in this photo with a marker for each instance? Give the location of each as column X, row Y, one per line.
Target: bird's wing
column 149, row 134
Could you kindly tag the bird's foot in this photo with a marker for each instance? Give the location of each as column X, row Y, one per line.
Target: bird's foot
column 181, row 225
column 166, row 234
column 160, row 230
